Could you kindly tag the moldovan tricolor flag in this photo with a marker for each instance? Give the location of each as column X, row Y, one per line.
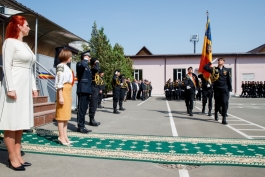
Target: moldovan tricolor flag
column 206, row 50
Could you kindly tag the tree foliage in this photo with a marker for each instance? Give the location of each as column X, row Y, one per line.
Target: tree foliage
column 110, row 58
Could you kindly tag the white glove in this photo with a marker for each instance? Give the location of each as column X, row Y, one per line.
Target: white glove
column 166, row 89
column 214, row 60
column 188, row 87
column 121, row 84
column 196, row 92
column 208, row 85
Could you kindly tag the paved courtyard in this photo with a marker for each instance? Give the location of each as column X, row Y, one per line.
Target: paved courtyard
column 155, row 116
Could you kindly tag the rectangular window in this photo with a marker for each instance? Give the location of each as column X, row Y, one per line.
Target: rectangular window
column 138, row 74
column 248, row 76
column 179, row 74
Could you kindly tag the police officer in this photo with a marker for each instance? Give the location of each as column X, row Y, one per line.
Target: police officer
column 207, row 93
column 191, row 83
column 94, row 64
column 116, row 90
column 101, row 88
column 222, row 86
column 84, row 90
column 123, row 90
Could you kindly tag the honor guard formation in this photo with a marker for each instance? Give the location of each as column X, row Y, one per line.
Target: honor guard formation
column 194, row 87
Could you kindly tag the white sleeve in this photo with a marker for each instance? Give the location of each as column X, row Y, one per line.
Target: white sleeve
column 59, row 78
column 8, row 53
column 34, row 87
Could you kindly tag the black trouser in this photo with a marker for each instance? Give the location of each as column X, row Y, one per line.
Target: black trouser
column 177, row 94
column 207, row 94
column 143, row 95
column 134, row 95
column 83, row 102
column 221, row 96
column 122, row 96
column 139, row 94
column 189, row 98
column 100, row 97
column 116, row 97
column 169, row 94
column 93, row 104
column 150, row 91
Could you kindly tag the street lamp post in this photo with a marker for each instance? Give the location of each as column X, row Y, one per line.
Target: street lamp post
column 194, row 39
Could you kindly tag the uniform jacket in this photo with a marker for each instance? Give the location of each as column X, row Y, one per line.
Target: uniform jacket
column 189, row 82
column 205, row 83
column 84, row 76
column 224, row 80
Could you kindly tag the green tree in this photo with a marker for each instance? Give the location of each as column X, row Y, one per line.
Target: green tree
column 110, row 58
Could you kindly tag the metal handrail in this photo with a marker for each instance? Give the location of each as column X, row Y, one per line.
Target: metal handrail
column 44, row 68
column 48, row 81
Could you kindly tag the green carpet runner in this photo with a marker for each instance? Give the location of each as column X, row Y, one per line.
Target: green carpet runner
column 160, row 149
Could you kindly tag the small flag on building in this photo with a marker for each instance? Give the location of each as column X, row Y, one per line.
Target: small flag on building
column 206, row 50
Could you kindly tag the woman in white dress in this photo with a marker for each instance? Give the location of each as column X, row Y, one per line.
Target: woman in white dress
column 17, row 89
column 63, row 83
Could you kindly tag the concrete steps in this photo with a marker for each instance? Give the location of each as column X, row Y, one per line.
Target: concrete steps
column 44, row 111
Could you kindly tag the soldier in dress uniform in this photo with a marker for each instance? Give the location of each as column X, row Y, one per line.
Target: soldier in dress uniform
column 84, row 90
column 177, row 87
column 101, row 88
column 243, row 93
column 191, row 83
column 123, row 90
column 93, row 104
column 207, row 93
column 222, row 86
column 116, row 86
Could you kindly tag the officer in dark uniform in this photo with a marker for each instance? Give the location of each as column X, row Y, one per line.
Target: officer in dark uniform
column 143, row 88
column 93, row 104
column 222, row 86
column 191, row 83
column 116, row 85
column 101, row 88
column 207, row 93
column 84, row 90
column 123, row 90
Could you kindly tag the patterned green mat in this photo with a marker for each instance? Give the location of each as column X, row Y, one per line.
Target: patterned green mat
column 160, row 149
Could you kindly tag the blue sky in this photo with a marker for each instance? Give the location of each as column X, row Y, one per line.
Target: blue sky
column 163, row 26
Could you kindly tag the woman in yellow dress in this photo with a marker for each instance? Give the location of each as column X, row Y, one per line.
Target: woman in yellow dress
column 63, row 84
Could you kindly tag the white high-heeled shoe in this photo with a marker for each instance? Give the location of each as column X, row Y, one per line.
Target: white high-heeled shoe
column 63, row 143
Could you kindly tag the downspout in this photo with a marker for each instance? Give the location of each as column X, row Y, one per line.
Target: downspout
column 236, row 74
column 36, row 44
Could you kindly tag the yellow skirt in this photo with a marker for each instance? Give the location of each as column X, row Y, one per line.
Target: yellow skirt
column 64, row 111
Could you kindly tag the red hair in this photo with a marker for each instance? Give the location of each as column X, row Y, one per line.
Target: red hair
column 12, row 29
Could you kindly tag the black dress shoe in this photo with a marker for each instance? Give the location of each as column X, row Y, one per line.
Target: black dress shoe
column 20, row 168
column 28, row 131
column 94, row 123
column 122, row 109
column 116, row 112
column 25, row 164
column 83, row 130
column 216, row 117
column 224, row 122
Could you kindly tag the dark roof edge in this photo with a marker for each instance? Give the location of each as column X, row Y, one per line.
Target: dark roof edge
column 194, row 55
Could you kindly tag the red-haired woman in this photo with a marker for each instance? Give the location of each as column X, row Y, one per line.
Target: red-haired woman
column 18, row 88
